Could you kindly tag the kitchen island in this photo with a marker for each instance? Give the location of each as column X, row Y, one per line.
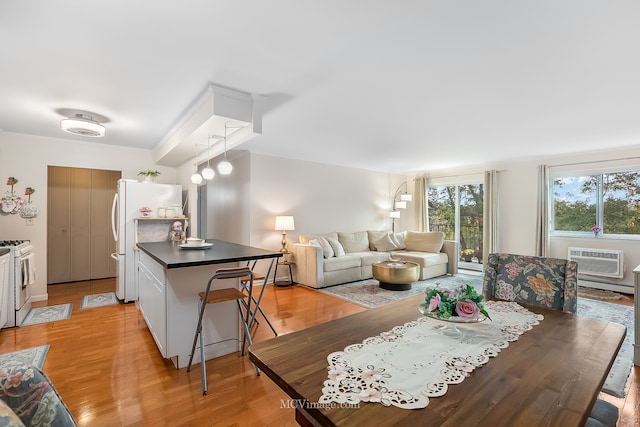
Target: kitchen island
column 169, row 279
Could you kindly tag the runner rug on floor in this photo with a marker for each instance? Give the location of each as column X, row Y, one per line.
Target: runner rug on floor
column 98, row 300
column 30, row 356
column 368, row 293
column 51, row 313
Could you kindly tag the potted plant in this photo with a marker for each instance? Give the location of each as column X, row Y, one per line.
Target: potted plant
column 149, row 175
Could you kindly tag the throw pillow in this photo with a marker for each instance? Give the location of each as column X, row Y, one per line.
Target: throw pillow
column 375, row 235
column 398, row 239
column 431, row 241
column 338, row 250
column 354, row 242
column 326, row 247
column 385, row 244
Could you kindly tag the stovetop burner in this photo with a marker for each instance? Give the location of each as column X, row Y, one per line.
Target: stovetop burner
column 11, row 242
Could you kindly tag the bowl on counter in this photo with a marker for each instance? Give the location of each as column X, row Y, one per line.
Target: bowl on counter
column 194, row 241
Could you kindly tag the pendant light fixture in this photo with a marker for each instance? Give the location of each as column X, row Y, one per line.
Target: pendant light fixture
column 196, row 178
column 208, row 173
column 225, row 167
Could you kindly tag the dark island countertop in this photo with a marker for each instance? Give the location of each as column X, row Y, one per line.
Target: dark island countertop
column 171, row 255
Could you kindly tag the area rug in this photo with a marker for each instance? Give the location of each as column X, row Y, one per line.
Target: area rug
column 369, row 294
column 51, row 313
column 604, row 294
column 98, row 300
column 30, row 356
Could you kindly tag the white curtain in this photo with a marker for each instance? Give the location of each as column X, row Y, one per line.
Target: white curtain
column 422, row 208
column 542, row 217
column 490, row 215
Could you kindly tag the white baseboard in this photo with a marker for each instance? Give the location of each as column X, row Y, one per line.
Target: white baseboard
column 623, row 289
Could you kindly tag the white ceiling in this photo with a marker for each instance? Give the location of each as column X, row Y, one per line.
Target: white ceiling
column 398, row 86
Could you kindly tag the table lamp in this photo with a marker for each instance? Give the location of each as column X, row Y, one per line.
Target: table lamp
column 284, row 223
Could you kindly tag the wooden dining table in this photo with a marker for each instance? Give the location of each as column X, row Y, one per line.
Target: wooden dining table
column 550, row 376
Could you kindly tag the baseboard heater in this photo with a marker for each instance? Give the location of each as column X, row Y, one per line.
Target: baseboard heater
column 598, row 262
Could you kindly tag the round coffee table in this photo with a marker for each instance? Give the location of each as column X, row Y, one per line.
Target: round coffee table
column 396, row 275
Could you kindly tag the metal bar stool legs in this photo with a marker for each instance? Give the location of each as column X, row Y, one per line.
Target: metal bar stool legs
column 221, row 295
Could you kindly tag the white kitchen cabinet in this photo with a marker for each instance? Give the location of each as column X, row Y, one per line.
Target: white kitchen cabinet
column 5, row 306
column 152, row 300
column 168, row 300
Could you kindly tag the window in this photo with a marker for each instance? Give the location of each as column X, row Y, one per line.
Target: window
column 610, row 200
column 457, row 211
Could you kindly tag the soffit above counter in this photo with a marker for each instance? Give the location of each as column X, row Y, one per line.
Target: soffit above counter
column 216, row 106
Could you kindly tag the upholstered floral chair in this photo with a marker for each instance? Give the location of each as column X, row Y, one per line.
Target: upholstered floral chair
column 545, row 282
column 28, row 398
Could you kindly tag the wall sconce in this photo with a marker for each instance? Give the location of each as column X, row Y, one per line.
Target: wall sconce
column 284, row 223
column 399, row 203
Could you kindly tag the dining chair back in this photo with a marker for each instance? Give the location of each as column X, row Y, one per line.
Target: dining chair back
column 541, row 281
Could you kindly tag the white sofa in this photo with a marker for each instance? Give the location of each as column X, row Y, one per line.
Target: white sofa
column 328, row 259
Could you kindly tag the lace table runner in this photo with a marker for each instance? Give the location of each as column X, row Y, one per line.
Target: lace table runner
column 407, row 365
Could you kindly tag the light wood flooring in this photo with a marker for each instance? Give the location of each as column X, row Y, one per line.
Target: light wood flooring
column 107, row 368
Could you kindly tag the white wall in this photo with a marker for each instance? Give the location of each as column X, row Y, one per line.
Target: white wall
column 26, row 157
column 518, row 203
column 322, row 198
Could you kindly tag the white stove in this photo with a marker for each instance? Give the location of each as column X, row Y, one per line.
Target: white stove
column 21, row 277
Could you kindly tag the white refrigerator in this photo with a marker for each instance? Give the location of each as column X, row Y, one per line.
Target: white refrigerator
column 131, row 196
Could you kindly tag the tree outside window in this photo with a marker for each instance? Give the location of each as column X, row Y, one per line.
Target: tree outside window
column 609, row 200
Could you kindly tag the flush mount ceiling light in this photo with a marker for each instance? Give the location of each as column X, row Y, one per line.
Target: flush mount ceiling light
column 83, row 125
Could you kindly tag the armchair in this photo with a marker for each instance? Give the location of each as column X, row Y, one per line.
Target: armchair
column 545, row 282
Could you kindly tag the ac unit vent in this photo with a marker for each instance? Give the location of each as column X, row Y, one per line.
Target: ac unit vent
column 598, row 262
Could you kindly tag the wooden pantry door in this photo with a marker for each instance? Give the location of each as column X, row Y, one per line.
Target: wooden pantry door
column 79, row 240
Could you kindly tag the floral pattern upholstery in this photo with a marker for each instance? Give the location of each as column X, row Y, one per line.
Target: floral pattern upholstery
column 545, row 282
column 27, row 392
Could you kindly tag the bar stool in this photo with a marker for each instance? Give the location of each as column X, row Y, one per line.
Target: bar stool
column 256, row 301
column 221, row 295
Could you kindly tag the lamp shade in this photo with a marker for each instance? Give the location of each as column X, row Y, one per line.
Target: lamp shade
column 394, row 214
column 401, row 205
column 284, row 223
column 406, row 197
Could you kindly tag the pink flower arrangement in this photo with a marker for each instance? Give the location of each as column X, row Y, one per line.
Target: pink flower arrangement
column 596, row 229
column 463, row 301
column 145, row 209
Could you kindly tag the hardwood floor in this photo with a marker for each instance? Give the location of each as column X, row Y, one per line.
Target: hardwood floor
column 108, row 370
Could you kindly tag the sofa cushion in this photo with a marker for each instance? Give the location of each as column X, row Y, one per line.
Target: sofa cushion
column 375, row 235
column 304, row 238
column 430, row 241
column 322, row 243
column 424, row 259
column 354, row 242
column 369, row 258
column 341, row 263
column 338, row 250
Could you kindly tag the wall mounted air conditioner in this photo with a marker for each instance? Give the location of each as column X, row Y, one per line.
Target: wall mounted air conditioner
column 598, row 262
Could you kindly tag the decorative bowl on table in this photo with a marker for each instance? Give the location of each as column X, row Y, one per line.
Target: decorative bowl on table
column 453, row 319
